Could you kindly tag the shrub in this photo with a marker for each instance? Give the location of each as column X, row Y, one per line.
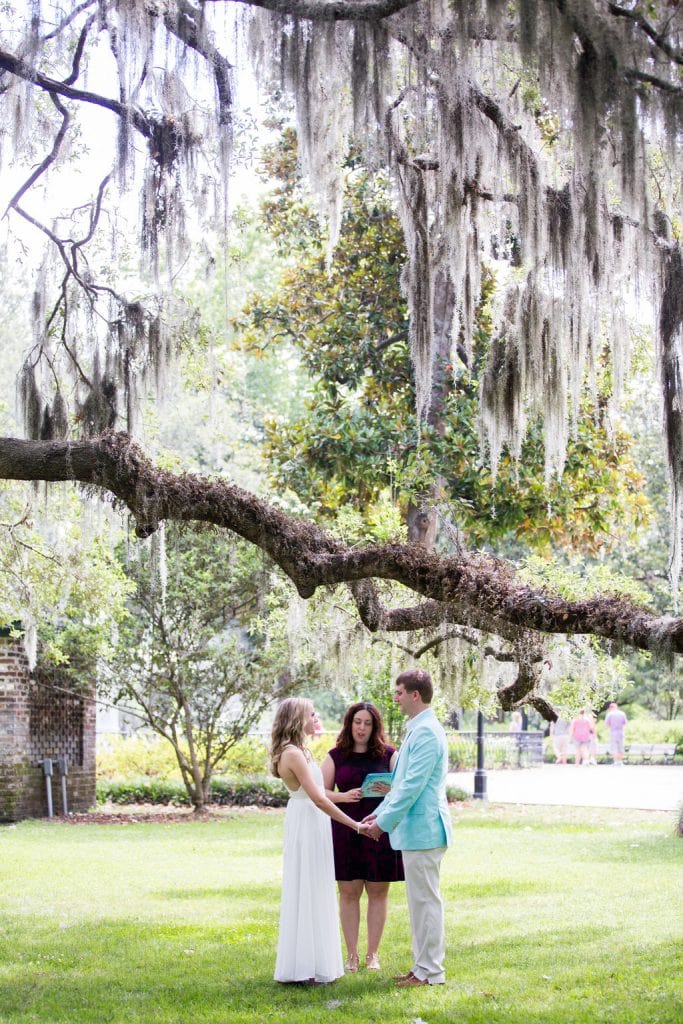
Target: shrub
column 454, row 793
column 246, row 791
column 247, row 757
column 150, row 757
column 136, row 757
column 147, row 756
column 141, row 791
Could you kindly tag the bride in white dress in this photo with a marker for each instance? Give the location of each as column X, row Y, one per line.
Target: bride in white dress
column 309, row 947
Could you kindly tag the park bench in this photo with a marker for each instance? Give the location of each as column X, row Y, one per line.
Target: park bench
column 664, row 751
column 637, row 752
column 642, row 753
column 650, row 753
column 660, row 753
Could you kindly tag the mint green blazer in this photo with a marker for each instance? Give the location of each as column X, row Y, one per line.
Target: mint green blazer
column 415, row 812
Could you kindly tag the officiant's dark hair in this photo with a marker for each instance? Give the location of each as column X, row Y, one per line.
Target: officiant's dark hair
column 377, row 742
column 417, row 679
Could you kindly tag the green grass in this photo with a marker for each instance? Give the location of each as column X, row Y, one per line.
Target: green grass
column 552, row 916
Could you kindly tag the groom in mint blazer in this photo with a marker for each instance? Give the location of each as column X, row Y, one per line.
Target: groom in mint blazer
column 415, row 814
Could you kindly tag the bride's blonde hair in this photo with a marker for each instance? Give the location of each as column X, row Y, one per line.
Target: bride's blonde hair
column 288, row 728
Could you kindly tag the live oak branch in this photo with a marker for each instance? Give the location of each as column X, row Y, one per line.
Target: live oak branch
column 473, row 590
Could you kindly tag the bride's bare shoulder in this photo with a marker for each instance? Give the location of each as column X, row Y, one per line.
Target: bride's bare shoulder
column 292, row 753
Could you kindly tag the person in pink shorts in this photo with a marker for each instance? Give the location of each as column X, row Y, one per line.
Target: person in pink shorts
column 581, row 733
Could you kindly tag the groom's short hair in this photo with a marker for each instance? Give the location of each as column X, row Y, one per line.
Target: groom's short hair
column 417, row 679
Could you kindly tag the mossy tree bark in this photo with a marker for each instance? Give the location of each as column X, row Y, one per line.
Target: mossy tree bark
column 474, row 590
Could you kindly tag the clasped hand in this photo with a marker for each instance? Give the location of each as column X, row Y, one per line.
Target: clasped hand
column 365, row 830
column 370, row 827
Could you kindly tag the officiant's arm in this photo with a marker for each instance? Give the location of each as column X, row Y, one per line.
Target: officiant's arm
column 381, row 788
column 350, row 796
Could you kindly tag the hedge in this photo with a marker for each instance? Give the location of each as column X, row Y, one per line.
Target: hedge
column 262, row 792
column 147, row 757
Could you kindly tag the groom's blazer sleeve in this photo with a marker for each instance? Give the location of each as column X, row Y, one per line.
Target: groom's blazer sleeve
column 419, row 762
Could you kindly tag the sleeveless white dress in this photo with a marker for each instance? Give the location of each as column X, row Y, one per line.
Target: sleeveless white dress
column 309, row 946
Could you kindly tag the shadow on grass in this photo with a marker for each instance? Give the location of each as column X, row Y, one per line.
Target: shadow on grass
column 491, row 888
column 666, row 849
column 260, row 894
column 490, row 820
column 127, row 972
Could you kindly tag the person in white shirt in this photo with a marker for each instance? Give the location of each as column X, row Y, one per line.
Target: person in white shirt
column 616, row 720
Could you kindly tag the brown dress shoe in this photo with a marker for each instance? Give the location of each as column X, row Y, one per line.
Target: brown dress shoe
column 410, row 981
column 402, row 977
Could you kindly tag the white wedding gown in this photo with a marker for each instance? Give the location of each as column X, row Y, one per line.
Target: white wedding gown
column 308, row 946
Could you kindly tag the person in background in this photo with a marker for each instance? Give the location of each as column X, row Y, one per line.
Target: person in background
column 593, row 745
column 309, row 950
column 516, row 722
column 581, row 731
column 361, row 864
column 616, row 720
column 415, row 814
column 559, row 733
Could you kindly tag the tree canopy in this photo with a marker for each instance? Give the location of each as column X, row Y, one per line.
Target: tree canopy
column 357, row 437
column 534, row 142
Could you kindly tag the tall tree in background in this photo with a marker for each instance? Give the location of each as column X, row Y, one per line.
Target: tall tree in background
column 359, row 435
column 519, row 134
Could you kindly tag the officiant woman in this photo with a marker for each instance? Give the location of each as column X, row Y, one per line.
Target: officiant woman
column 360, row 863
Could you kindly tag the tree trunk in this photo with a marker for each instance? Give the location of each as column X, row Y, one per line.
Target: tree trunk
column 422, row 519
column 198, row 794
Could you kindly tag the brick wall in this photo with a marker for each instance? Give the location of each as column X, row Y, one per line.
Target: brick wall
column 39, row 720
column 14, row 726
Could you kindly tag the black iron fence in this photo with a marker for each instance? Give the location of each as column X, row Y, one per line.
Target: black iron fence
column 501, row 750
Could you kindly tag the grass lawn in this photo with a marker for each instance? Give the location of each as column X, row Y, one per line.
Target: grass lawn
column 553, row 914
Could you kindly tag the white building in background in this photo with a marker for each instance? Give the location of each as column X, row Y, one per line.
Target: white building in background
column 113, row 722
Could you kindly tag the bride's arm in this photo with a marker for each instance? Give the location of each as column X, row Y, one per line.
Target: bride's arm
column 349, row 796
column 293, row 761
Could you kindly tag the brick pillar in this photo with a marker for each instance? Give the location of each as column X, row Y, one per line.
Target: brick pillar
column 14, row 726
column 40, row 717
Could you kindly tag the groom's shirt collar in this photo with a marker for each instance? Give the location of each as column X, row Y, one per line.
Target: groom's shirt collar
column 413, row 721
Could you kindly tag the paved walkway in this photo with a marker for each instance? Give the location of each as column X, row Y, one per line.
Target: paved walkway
column 648, row 787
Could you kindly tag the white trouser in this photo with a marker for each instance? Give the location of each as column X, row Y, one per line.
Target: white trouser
column 425, row 907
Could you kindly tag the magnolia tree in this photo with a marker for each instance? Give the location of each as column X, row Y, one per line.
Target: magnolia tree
column 535, row 142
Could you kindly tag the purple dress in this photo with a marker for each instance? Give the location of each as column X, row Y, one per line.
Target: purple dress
column 357, row 856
